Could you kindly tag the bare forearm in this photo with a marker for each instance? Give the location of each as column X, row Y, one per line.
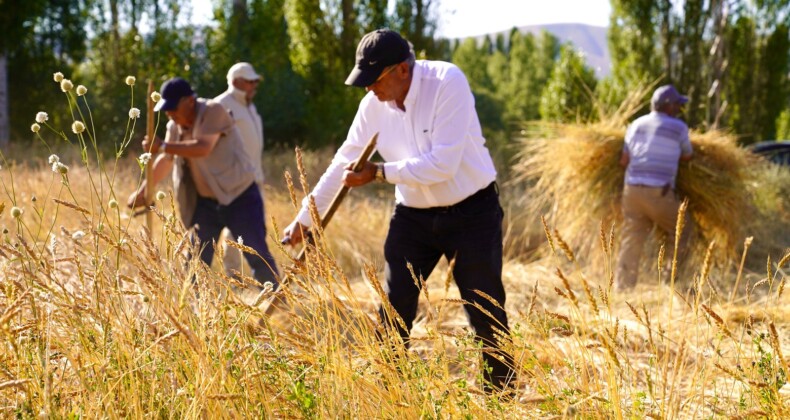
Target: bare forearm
column 190, row 148
column 162, row 166
column 624, row 159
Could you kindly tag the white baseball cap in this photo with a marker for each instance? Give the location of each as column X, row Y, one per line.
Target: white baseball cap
column 242, row 71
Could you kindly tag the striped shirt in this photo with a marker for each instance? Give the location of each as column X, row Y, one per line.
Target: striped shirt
column 654, row 143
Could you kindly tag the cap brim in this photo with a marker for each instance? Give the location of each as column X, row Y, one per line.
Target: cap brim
column 682, row 99
column 165, row 105
column 362, row 78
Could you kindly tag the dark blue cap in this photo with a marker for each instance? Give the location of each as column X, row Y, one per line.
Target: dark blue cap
column 172, row 91
column 376, row 51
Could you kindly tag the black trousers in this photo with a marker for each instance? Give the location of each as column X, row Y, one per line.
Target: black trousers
column 470, row 232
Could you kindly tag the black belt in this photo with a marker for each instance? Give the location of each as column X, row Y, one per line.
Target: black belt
column 491, row 189
column 664, row 188
column 214, row 200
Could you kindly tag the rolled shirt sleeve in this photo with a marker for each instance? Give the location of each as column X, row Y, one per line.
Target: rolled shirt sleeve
column 332, row 179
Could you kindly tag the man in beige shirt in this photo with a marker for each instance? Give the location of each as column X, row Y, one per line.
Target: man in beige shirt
column 213, row 176
column 237, row 100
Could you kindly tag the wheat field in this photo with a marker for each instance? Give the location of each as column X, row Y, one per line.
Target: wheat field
column 101, row 318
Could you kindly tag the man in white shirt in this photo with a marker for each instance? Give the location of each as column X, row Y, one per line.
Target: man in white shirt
column 447, row 201
column 242, row 86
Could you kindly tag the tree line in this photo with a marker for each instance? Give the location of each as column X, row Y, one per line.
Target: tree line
column 731, row 57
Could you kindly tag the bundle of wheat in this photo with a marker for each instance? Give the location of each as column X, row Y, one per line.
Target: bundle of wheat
column 571, row 174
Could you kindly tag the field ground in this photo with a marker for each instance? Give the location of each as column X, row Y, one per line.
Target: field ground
column 106, row 323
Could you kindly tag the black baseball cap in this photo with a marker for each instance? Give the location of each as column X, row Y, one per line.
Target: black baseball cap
column 172, row 91
column 376, row 51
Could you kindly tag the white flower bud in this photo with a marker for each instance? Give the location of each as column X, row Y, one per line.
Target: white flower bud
column 81, row 90
column 58, row 77
column 53, row 159
column 61, row 168
column 160, row 195
column 130, row 80
column 113, row 204
column 35, row 128
column 16, row 212
column 134, row 113
column 144, row 158
column 66, row 85
column 77, row 127
column 156, row 96
column 42, row 117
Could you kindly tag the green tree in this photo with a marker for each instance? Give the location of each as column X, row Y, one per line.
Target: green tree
column 531, row 64
column 568, row 96
column 51, row 39
column 775, row 62
column 373, row 15
column 261, row 42
column 316, row 56
column 118, row 49
column 690, row 48
column 472, row 59
column 14, row 18
column 783, row 125
column 632, row 47
column 416, row 21
column 522, row 95
column 741, row 84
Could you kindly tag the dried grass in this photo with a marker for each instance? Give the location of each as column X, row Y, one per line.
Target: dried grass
column 571, row 173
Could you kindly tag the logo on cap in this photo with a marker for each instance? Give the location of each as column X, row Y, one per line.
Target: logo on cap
column 376, row 51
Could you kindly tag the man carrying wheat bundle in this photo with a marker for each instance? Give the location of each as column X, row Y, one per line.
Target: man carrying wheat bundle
column 447, row 201
column 654, row 144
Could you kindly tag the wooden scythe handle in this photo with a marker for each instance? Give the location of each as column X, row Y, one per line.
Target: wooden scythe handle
column 330, row 211
column 149, row 181
column 343, row 191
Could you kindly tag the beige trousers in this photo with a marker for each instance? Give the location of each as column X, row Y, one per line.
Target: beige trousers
column 642, row 207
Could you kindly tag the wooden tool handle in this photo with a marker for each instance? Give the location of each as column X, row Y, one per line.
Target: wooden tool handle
column 341, row 193
column 149, row 179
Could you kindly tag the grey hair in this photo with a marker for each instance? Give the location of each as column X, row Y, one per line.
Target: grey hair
column 412, row 58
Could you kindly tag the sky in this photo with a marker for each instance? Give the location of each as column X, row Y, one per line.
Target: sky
column 462, row 18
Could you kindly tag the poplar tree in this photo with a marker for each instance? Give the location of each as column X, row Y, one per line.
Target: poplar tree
column 568, row 95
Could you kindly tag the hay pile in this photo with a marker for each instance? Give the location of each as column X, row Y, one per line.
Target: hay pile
column 571, row 174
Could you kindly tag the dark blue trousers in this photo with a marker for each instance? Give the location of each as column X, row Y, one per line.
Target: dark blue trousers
column 244, row 217
column 470, row 232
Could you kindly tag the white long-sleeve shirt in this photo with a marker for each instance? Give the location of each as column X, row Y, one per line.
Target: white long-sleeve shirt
column 434, row 151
